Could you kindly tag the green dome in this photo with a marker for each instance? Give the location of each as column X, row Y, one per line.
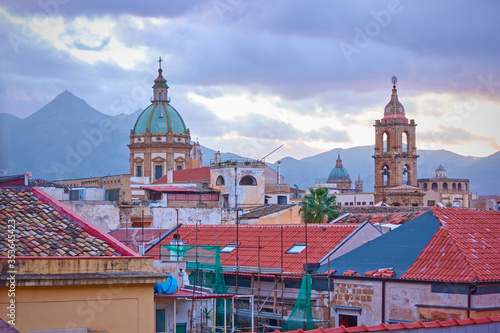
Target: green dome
column 339, row 173
column 160, row 118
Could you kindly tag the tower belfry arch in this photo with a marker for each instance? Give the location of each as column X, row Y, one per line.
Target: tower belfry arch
column 396, row 156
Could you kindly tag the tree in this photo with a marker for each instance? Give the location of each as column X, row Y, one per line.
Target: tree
column 318, row 206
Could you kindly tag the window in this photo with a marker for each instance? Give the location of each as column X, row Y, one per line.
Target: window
column 425, row 186
column 434, row 186
column 220, row 181
column 363, row 203
column 454, row 187
column 358, row 203
column 385, row 142
column 431, row 203
column 385, row 176
column 371, row 203
column 179, row 167
column 406, row 173
column 139, row 171
column 296, row 248
column 229, row 247
column 282, row 200
column 460, row 187
column 445, row 187
column 160, row 321
column 404, row 142
column 158, row 172
column 248, row 181
column 347, row 320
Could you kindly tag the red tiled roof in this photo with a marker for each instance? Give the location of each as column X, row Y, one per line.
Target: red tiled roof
column 321, row 240
column 402, row 326
column 169, row 189
column 465, row 248
column 382, row 218
column 187, row 175
column 46, row 228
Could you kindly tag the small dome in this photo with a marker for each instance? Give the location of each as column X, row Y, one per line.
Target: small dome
column 440, row 168
column 339, row 172
column 160, row 118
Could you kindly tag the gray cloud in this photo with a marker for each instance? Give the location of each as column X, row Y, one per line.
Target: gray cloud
column 455, row 136
column 290, row 49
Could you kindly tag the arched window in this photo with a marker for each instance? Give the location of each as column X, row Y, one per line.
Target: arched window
column 404, row 142
column 454, row 187
column 220, row 181
column 425, row 186
column 385, row 142
column 460, row 186
column 445, row 187
column 385, row 175
column 248, row 181
column 406, row 174
column 434, row 187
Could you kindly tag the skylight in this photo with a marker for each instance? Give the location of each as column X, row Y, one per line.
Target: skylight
column 229, row 248
column 296, row 248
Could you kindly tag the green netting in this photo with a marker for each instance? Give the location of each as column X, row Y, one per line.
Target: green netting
column 301, row 316
column 205, row 270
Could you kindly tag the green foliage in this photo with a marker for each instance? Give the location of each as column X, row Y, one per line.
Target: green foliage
column 318, row 206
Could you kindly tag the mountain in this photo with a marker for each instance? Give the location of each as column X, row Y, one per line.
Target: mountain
column 67, row 138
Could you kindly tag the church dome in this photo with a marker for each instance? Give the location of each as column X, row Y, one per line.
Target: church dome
column 339, row 172
column 394, row 107
column 160, row 118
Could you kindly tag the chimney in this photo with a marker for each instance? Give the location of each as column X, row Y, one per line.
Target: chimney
column 170, row 176
column 27, row 176
column 279, row 172
column 217, row 157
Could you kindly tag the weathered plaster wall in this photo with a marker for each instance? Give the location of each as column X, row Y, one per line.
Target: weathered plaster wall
column 104, row 214
column 248, row 196
column 164, row 217
column 358, row 293
column 286, row 216
column 101, row 307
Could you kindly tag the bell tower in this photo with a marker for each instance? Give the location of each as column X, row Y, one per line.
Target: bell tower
column 395, row 152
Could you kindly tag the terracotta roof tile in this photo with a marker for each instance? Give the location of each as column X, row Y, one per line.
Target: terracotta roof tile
column 43, row 231
column 465, row 248
column 248, row 237
column 421, row 326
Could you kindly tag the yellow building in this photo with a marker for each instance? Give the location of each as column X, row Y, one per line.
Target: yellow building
column 67, row 273
column 448, row 191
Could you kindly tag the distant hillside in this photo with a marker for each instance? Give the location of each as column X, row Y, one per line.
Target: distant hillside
column 482, row 172
column 67, row 138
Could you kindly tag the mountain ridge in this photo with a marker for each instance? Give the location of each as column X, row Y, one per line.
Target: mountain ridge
column 68, row 138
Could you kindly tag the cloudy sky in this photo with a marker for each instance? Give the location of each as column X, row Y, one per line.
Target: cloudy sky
column 248, row 76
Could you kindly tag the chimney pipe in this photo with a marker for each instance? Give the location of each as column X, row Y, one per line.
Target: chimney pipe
column 170, row 176
column 217, row 157
column 27, row 176
column 279, row 172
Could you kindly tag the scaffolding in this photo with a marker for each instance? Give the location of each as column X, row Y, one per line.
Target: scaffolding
column 261, row 309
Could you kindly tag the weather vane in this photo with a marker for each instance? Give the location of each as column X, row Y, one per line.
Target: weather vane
column 394, row 80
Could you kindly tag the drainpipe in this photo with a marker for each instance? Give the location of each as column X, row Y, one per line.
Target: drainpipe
column 472, row 289
column 383, row 302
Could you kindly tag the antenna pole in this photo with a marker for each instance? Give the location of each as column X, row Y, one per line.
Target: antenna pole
column 270, row 153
